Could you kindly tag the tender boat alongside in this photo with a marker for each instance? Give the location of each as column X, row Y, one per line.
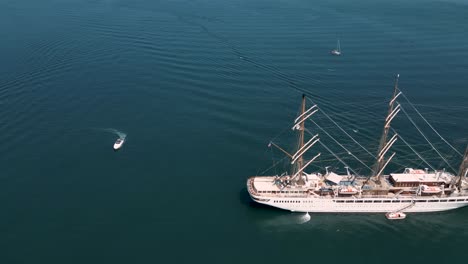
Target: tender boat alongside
column 395, row 215
column 118, row 143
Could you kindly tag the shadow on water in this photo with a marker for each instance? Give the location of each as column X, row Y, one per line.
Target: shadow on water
column 244, row 197
column 245, row 200
column 417, row 225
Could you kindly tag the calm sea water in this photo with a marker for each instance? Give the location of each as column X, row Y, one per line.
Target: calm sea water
column 199, row 88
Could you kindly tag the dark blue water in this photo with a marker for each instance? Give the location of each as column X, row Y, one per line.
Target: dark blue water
column 199, row 88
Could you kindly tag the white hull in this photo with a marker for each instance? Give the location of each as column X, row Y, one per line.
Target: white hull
column 118, row 144
column 362, row 205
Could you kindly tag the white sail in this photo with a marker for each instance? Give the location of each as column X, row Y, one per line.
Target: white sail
column 337, row 51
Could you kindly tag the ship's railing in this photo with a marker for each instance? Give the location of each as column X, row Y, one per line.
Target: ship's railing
column 305, row 194
column 396, row 197
column 251, row 186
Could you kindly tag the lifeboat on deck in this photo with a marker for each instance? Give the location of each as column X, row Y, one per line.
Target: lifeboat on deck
column 348, row 190
column 430, row 189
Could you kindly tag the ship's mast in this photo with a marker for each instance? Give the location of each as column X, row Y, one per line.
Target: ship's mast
column 463, row 168
column 297, row 159
column 384, row 145
column 300, row 161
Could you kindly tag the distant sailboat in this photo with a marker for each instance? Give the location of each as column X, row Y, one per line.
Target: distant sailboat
column 337, row 51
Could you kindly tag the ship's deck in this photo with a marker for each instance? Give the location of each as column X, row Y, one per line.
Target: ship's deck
column 266, row 186
column 267, row 183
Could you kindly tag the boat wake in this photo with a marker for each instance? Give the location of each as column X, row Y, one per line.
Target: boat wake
column 120, row 134
column 304, row 218
column 287, row 221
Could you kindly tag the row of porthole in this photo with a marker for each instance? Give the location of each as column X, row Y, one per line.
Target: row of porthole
column 374, row 201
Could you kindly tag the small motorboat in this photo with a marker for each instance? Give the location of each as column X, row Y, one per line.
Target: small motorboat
column 395, row 215
column 118, row 143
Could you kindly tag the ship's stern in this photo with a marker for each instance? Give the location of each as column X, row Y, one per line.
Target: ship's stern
column 254, row 193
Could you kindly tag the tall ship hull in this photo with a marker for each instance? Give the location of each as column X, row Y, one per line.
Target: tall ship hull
column 378, row 204
column 412, row 190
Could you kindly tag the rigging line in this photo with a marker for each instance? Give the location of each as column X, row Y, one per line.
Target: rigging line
column 394, row 161
column 273, row 160
column 370, row 108
column 279, row 134
column 367, row 110
column 443, row 107
column 422, row 145
column 440, row 155
column 402, row 139
column 304, row 91
column 342, row 129
column 344, row 118
column 272, row 166
column 259, row 168
column 357, row 107
column 340, row 160
column 410, row 155
column 427, row 122
column 349, row 152
column 353, row 126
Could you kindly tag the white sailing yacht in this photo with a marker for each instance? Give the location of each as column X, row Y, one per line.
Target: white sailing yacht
column 412, row 190
column 337, row 51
